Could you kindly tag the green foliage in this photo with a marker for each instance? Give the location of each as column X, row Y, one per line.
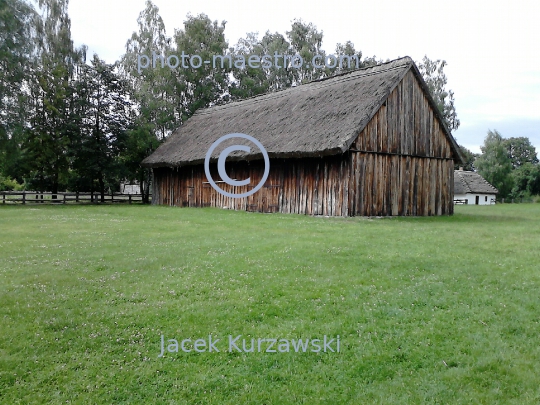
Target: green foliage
column 8, row 184
column 469, row 158
column 104, row 112
column 305, row 40
column 140, row 143
column 16, row 47
column 511, row 165
column 526, row 180
column 204, row 86
column 45, row 147
column 248, row 81
column 494, row 164
column 279, row 78
column 154, row 90
column 435, row 78
column 348, row 50
column 520, row 151
column 47, row 139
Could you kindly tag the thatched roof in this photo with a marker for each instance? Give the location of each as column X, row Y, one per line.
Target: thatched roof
column 471, row 182
column 320, row 118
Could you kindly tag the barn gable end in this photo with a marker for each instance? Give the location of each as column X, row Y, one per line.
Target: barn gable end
column 407, row 148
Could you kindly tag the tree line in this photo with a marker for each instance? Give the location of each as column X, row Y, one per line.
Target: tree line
column 69, row 122
column 509, row 164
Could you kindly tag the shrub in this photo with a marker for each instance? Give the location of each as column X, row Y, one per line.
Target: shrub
column 8, row 184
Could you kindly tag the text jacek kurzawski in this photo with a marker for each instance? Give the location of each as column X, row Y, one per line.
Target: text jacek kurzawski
column 238, row 344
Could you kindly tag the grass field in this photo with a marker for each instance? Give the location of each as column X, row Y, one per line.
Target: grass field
column 440, row 310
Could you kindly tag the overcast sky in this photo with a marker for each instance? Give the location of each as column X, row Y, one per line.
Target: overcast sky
column 491, row 47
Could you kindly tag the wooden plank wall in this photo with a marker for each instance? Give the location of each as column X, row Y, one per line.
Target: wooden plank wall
column 405, row 125
column 400, row 164
column 364, row 184
column 401, row 185
column 301, row 186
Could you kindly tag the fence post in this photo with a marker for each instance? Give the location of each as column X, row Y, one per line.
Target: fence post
column 76, row 196
column 24, row 197
column 130, row 198
column 64, row 198
column 3, row 198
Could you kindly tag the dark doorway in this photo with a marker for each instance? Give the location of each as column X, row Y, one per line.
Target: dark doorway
column 477, row 199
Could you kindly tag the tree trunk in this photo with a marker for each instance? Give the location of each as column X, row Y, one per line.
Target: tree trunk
column 145, row 185
column 102, row 187
column 141, row 186
column 55, row 184
column 148, row 181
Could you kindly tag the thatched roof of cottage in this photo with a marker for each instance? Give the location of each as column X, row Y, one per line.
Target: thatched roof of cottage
column 471, row 182
column 320, row 118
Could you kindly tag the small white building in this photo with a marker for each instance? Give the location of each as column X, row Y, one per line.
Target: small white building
column 471, row 188
column 127, row 188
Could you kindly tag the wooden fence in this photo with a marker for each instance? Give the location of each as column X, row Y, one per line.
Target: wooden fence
column 36, row 197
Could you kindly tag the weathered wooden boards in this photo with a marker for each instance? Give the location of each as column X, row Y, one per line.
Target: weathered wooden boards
column 352, row 184
column 400, row 164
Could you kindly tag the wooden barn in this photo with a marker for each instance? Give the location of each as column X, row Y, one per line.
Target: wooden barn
column 369, row 142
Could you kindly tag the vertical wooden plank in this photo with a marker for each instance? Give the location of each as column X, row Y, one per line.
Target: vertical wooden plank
column 392, row 191
column 383, row 131
column 407, row 185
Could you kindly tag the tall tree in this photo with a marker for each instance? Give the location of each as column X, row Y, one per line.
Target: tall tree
column 435, row 78
column 278, row 78
column 16, row 51
column 47, row 138
column 152, row 82
column 16, row 47
column 154, row 89
column 350, row 58
column 494, row 164
column 249, row 80
column 520, row 151
column 268, row 77
column 306, row 41
column 105, row 119
column 201, row 84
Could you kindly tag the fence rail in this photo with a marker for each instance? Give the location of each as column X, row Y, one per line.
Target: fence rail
column 36, row 197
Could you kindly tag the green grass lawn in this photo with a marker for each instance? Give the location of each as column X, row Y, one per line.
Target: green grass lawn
column 439, row 310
